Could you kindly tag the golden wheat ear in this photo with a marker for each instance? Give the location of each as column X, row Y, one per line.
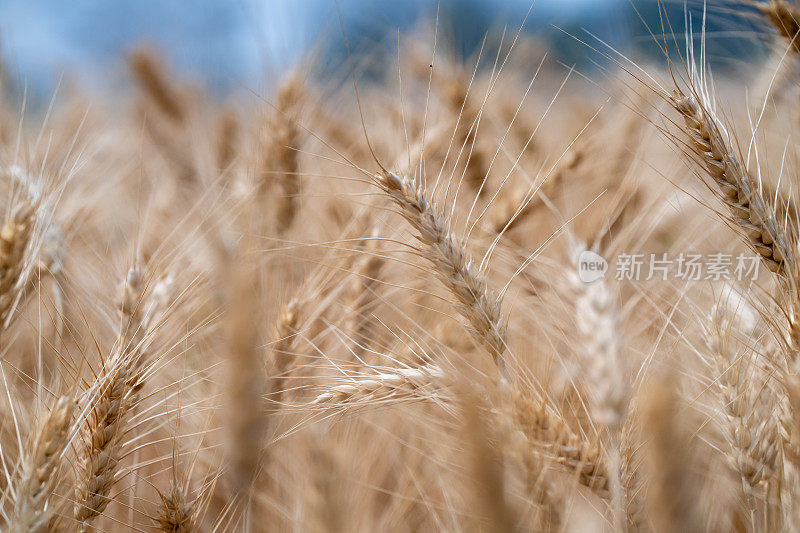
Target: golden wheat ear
column 102, row 445
column 281, row 356
column 546, row 432
column 110, row 400
column 476, row 303
column 784, row 16
column 16, row 243
column 176, row 511
column 399, row 384
column 36, row 505
column 152, row 78
column 747, row 417
column 749, row 210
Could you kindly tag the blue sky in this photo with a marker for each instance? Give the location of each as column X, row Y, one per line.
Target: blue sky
column 222, row 43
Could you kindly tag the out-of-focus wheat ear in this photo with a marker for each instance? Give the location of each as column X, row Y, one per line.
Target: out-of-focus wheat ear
column 50, row 259
column 131, row 310
column 459, row 96
column 15, row 263
column 227, row 138
column 751, row 432
column 246, row 379
column 539, row 488
column 176, row 511
column 673, row 496
column 51, row 264
column 281, row 156
column 515, row 206
column 785, row 17
column 597, row 317
column 35, row 505
column 363, row 295
column 327, row 506
column 166, row 113
column 484, row 466
column 138, row 317
column 45, row 250
column 749, row 209
column 476, row 303
column 152, row 78
column 549, row 434
column 282, row 352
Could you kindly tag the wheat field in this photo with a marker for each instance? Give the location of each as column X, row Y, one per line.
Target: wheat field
column 483, row 294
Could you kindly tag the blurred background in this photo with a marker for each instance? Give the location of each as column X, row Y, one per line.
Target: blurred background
column 226, row 45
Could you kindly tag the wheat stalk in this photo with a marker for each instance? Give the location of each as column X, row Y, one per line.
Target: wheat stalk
column 673, row 497
column 484, row 456
column 245, row 380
